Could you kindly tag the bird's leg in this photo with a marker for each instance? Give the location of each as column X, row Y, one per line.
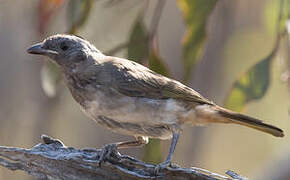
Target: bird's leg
column 168, row 160
column 108, row 149
column 140, row 141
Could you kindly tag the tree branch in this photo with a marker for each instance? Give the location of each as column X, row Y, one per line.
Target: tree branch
column 53, row 160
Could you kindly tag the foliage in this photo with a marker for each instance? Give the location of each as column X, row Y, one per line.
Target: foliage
column 196, row 13
column 78, row 13
column 157, row 64
column 138, row 41
column 253, row 84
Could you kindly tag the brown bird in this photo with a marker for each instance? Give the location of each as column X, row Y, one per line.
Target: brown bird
column 130, row 99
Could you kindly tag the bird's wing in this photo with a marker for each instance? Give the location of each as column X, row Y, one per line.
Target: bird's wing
column 132, row 79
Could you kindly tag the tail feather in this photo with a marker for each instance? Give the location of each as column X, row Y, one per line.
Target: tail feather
column 251, row 122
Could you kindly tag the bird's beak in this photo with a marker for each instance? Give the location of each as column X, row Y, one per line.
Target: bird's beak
column 38, row 49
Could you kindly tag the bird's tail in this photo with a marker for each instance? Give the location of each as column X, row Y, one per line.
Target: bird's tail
column 248, row 121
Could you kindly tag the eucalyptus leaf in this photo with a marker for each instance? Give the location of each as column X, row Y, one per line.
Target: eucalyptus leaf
column 138, row 41
column 78, row 13
column 195, row 13
column 255, row 82
column 156, row 64
column 250, row 86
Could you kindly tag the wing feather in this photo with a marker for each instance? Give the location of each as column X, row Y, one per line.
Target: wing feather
column 132, row 79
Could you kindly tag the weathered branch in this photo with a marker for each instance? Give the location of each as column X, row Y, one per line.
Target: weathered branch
column 53, row 160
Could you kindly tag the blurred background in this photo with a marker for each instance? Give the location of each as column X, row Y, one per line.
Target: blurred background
column 235, row 53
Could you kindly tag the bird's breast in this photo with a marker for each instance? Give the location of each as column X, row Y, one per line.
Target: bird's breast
column 134, row 109
column 148, row 114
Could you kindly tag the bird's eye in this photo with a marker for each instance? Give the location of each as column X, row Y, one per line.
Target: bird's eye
column 64, row 46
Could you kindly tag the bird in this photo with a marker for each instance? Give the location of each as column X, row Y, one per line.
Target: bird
column 129, row 98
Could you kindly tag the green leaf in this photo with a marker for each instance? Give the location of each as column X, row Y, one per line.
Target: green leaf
column 250, row 86
column 156, row 64
column 78, row 13
column 195, row 13
column 254, row 83
column 138, row 42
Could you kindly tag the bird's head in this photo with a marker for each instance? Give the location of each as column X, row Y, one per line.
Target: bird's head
column 65, row 50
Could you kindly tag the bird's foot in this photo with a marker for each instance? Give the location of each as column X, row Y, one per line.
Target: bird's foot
column 161, row 166
column 107, row 151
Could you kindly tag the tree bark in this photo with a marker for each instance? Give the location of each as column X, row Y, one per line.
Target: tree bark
column 53, row 160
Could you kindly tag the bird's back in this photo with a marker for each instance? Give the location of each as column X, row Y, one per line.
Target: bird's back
column 133, row 79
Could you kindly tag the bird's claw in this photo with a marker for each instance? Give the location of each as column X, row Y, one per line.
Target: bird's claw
column 107, row 150
column 161, row 166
